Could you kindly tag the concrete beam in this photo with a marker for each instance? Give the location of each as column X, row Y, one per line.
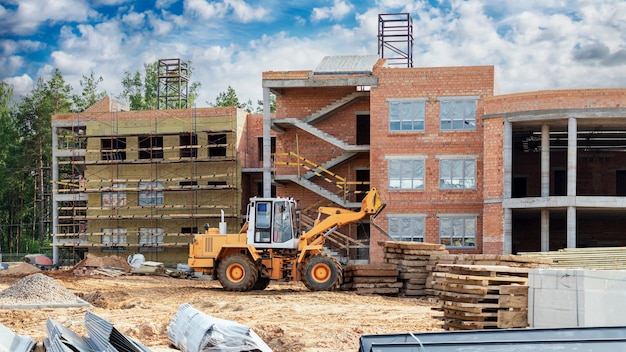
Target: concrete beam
column 560, row 114
column 607, row 202
column 322, row 82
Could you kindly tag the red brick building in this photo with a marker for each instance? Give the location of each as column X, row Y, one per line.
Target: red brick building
column 454, row 162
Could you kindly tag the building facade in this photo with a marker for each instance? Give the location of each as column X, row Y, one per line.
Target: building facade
column 143, row 181
column 455, row 163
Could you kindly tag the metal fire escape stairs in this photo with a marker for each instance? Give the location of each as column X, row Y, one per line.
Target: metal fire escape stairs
column 349, row 151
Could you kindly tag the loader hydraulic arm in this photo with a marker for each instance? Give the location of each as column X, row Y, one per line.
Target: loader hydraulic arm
column 337, row 217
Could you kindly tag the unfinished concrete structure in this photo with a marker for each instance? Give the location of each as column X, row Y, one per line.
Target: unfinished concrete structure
column 455, row 163
column 143, row 181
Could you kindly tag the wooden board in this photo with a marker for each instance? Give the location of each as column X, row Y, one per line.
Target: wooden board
column 512, row 319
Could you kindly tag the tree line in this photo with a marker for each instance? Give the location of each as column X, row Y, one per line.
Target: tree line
column 26, row 145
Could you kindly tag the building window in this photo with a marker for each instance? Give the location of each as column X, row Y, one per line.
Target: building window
column 113, row 148
column 149, row 235
column 112, row 197
column 151, row 193
column 189, row 230
column 260, row 146
column 216, row 183
column 217, row 145
column 406, row 115
column 458, row 230
column 150, row 147
column 406, row 174
column 188, row 183
column 457, row 115
column 406, row 227
column 114, row 236
column 457, row 174
column 187, row 142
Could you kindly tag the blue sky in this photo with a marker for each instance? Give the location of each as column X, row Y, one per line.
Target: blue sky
column 533, row 44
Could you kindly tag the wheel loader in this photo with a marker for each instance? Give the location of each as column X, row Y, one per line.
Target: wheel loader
column 270, row 247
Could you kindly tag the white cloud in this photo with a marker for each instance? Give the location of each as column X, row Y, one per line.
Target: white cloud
column 245, row 13
column 22, row 85
column 338, row 11
column 134, row 19
column 31, row 14
column 205, row 10
column 159, row 27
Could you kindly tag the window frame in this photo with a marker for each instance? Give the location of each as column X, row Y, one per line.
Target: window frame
column 399, row 218
column 417, row 112
column 189, row 145
column 451, row 178
column 217, row 145
column 463, row 121
column 112, row 198
column 151, row 233
column 149, row 191
column 150, row 147
column 401, row 162
column 464, row 237
column 119, row 233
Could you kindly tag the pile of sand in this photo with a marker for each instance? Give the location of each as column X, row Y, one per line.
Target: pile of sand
column 37, row 289
column 20, row 269
column 112, row 261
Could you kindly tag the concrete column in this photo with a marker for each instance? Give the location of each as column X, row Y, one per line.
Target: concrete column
column 545, row 230
column 571, row 227
column 267, row 145
column 55, row 187
column 572, row 156
column 507, row 160
column 507, row 226
column 545, row 160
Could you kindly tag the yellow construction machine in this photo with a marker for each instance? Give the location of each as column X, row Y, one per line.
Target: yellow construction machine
column 269, row 246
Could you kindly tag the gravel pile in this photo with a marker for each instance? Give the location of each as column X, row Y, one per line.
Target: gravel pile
column 37, row 289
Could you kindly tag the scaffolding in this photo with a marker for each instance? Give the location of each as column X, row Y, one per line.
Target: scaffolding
column 126, row 182
column 173, row 87
column 395, row 39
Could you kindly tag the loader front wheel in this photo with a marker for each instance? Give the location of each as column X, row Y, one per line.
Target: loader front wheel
column 237, row 272
column 321, row 272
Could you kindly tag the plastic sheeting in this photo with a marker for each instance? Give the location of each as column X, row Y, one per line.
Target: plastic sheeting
column 12, row 342
column 194, row 331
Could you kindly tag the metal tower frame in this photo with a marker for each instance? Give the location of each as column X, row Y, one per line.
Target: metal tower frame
column 173, row 87
column 395, row 38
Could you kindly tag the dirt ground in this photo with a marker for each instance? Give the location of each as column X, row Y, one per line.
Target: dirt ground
column 286, row 315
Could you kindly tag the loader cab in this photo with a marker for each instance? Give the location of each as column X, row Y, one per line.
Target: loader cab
column 272, row 223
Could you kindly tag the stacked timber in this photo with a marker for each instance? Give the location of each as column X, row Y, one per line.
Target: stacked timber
column 600, row 258
column 412, row 259
column 482, row 296
column 513, row 261
column 379, row 279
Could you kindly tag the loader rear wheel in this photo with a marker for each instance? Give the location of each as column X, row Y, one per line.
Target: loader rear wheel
column 321, row 272
column 237, row 272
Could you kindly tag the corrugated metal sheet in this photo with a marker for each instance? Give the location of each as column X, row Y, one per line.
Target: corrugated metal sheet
column 62, row 339
column 594, row 339
column 344, row 65
column 107, row 338
column 12, row 342
column 194, row 331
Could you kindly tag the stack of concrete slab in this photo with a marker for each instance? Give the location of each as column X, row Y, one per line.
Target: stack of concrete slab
column 606, row 258
column 371, row 279
column 412, row 259
column 576, row 297
column 481, row 296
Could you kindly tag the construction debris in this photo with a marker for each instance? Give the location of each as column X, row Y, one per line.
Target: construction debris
column 38, row 290
column 372, row 279
column 482, row 297
column 194, row 331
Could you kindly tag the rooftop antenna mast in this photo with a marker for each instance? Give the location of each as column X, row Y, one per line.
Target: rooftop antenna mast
column 173, row 87
column 395, row 39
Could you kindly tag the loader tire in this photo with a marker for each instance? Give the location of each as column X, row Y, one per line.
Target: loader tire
column 321, row 272
column 237, row 272
column 261, row 283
